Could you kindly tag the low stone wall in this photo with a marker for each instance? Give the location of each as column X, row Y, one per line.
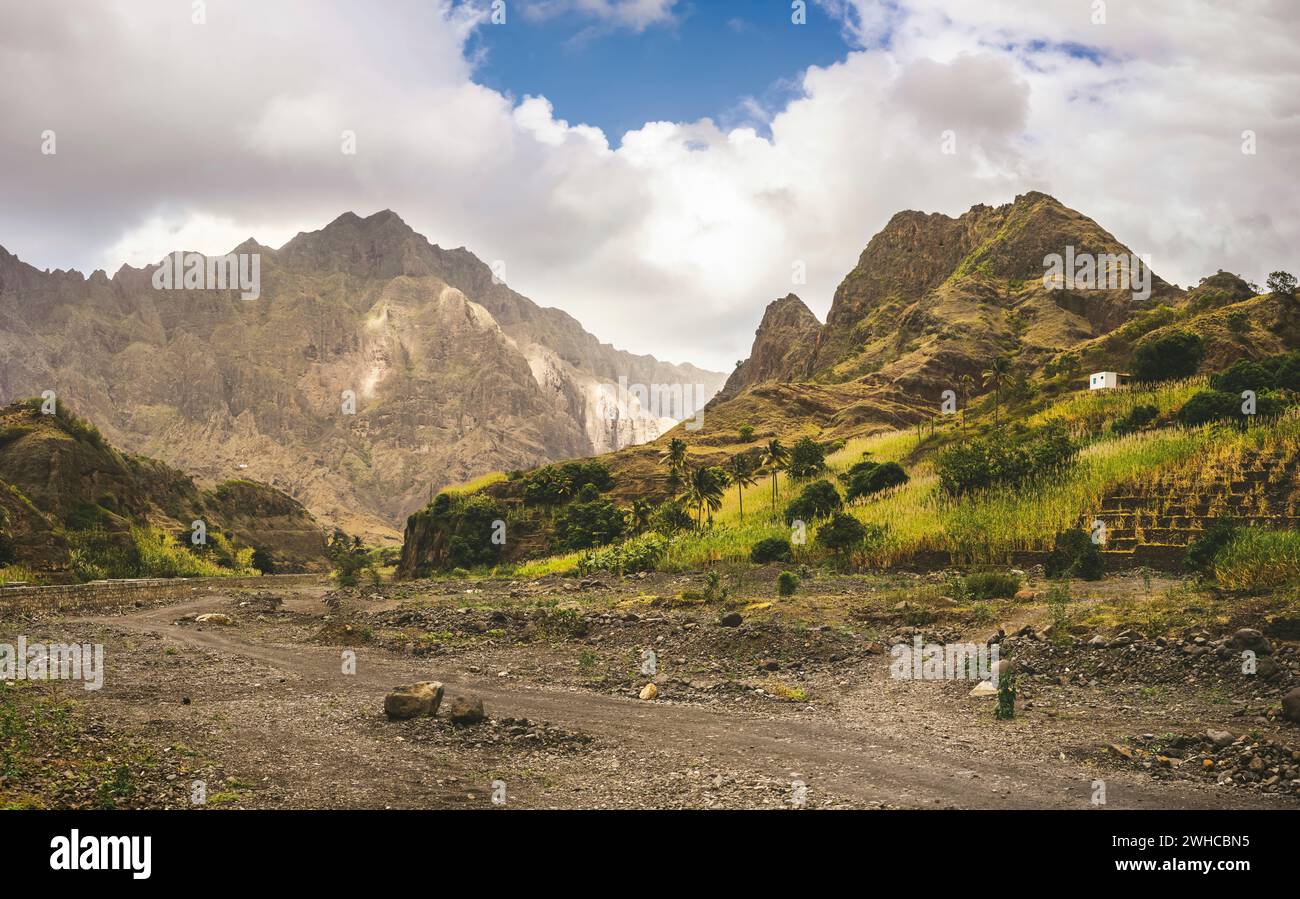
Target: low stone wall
column 107, row 595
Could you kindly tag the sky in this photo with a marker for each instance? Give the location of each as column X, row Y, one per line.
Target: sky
column 658, row 168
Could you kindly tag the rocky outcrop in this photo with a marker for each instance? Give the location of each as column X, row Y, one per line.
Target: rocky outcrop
column 783, row 346
column 59, row 478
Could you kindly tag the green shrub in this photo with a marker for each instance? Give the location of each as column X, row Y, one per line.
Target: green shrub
column 1004, row 460
column 867, row 478
column 786, row 583
column 1137, row 419
column 639, row 554
column 807, row 458
column 1243, row 375
column 772, row 549
column 1177, row 354
column 842, row 534
column 1202, row 551
column 1256, row 560
column 1074, row 555
column 991, row 585
column 592, row 522
column 817, row 500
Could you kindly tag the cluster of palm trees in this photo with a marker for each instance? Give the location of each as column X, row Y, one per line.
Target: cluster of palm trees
column 703, row 487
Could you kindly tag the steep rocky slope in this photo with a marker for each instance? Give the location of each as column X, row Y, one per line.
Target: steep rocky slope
column 453, row 374
column 932, row 300
column 60, row 477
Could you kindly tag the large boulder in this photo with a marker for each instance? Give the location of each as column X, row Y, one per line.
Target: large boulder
column 1250, row 639
column 465, row 709
column 1291, row 705
column 414, row 700
column 219, row 618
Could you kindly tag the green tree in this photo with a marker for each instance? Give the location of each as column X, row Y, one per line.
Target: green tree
column 995, row 375
column 704, row 489
column 674, row 458
column 1282, row 285
column 639, row 517
column 743, row 469
column 807, row 458
column 775, row 457
column 1177, row 354
column 745, row 433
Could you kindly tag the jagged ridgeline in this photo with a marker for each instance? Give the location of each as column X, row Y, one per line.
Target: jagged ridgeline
column 945, row 405
column 453, row 375
column 72, row 507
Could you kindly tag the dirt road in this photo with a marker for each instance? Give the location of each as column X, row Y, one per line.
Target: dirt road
column 292, row 730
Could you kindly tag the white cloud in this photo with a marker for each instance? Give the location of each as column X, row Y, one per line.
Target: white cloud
column 637, row 15
column 673, row 241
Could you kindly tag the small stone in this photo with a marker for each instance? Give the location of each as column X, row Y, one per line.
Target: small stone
column 1220, row 738
column 649, row 692
column 731, row 619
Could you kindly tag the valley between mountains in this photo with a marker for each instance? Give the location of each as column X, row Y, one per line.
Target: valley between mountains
column 1095, row 478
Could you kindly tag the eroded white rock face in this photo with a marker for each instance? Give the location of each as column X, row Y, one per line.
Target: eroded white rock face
column 612, row 419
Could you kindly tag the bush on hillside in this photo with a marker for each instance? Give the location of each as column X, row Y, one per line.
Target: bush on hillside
column 807, row 458
column 1003, row 460
column 1074, row 555
column 817, row 500
column 1137, row 419
column 991, row 585
column 869, row 478
column 772, row 549
column 1202, row 551
column 1177, row 354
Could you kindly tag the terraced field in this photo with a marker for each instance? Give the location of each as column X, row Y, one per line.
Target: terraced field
column 1158, row 517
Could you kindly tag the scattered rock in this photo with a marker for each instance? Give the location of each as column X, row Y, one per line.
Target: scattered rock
column 1220, row 738
column 414, row 700
column 1250, row 639
column 649, row 691
column 731, row 619
column 1025, row 595
column 1291, row 705
column 465, row 709
column 220, row 618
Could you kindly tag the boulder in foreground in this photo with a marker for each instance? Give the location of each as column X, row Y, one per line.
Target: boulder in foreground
column 414, row 700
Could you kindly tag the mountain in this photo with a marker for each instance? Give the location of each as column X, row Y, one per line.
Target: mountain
column 452, row 374
column 65, row 489
column 930, row 302
column 1000, row 305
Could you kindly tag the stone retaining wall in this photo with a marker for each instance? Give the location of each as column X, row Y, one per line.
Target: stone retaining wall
column 103, row 595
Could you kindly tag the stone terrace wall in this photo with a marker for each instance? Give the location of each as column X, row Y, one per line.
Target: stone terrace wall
column 100, row 596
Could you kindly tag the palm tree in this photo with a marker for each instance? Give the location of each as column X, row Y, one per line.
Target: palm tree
column 640, row 515
column 743, row 469
column 967, row 384
column 704, row 488
column 776, row 456
column 994, row 375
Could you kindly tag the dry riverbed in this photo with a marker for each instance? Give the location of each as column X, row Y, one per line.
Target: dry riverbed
column 276, row 698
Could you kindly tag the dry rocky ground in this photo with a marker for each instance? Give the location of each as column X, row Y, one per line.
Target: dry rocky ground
column 276, row 698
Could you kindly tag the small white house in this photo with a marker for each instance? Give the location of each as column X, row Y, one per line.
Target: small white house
column 1106, row 380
